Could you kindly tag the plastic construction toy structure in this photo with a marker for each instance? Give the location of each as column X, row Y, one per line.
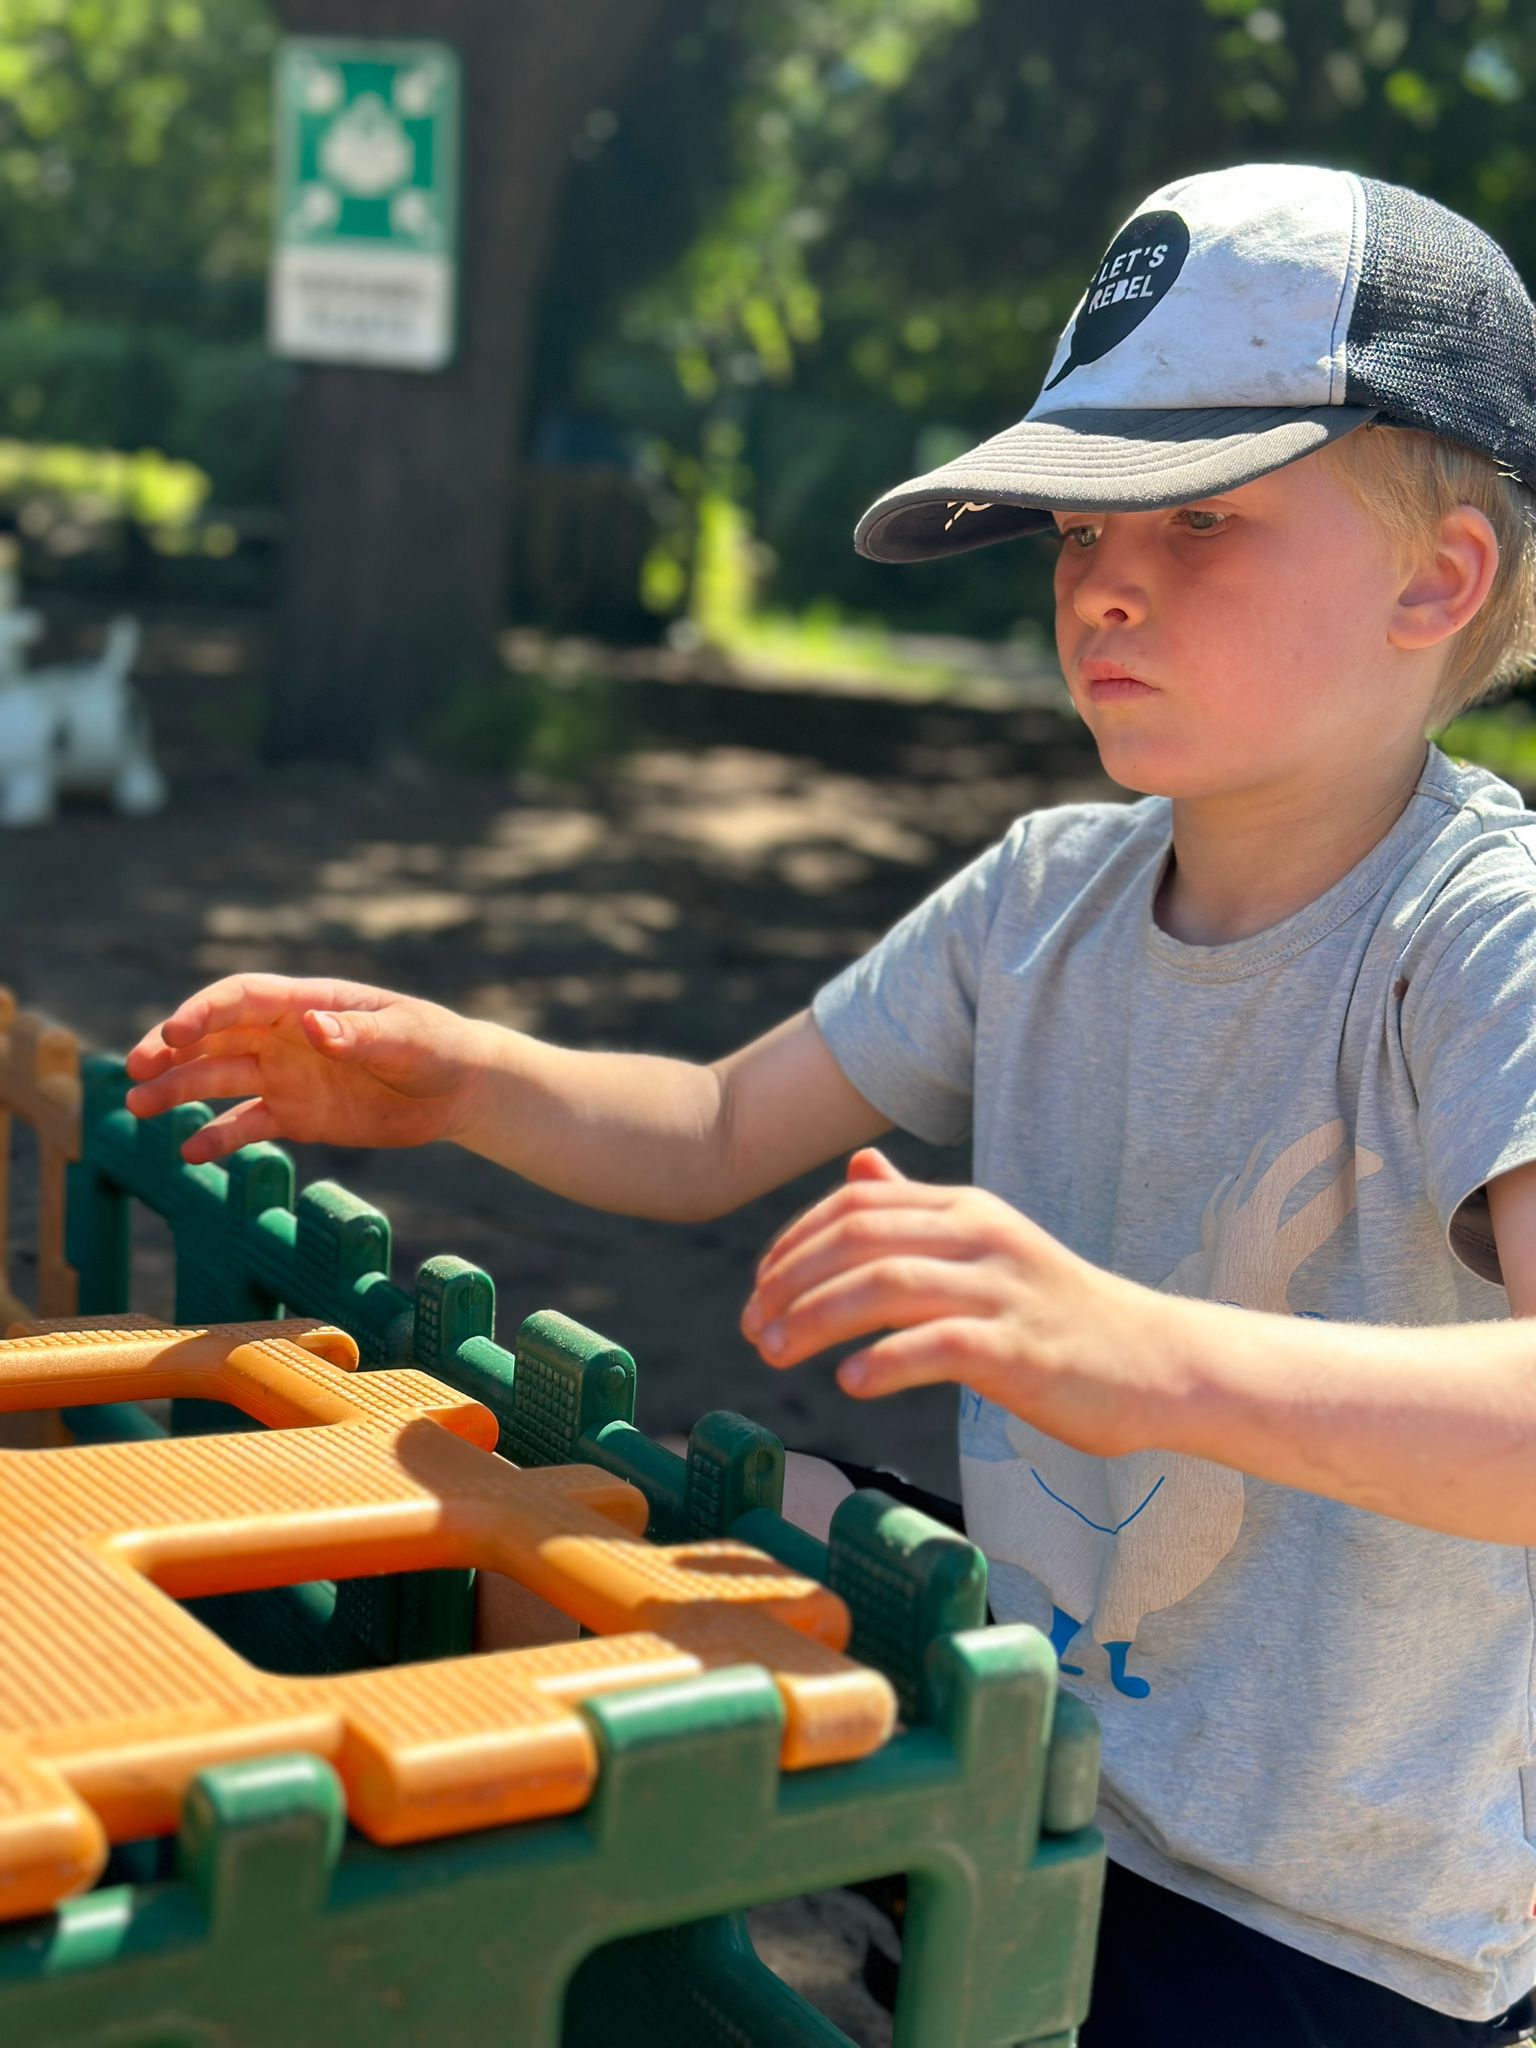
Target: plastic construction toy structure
column 113, row 1696
column 551, row 1844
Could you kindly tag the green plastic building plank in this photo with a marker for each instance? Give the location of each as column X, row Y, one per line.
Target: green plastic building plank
column 246, row 1247
column 280, row 1934
column 700, row 1986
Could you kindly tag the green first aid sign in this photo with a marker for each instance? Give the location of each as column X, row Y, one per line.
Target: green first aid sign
column 365, row 267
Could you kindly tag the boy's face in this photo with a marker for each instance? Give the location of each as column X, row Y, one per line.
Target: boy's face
column 1256, row 624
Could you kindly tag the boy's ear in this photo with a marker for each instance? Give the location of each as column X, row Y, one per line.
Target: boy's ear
column 1449, row 583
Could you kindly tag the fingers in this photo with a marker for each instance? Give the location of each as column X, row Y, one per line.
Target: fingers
column 217, row 1044
column 245, row 1124
column 886, row 1294
column 856, row 1239
column 249, row 999
column 150, row 1057
column 326, row 1030
column 193, row 1020
column 351, row 1034
column 239, row 1001
column 851, row 1199
column 225, row 1062
column 871, row 1165
column 195, row 1080
column 958, row 1348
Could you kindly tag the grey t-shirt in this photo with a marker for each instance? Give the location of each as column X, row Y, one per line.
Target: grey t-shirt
column 1316, row 1719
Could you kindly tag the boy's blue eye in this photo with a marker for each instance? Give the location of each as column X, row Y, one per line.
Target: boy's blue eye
column 1079, row 539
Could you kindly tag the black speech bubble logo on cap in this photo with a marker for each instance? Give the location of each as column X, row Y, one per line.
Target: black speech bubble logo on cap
column 1138, row 267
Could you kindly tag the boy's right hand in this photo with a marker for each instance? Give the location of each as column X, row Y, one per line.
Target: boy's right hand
column 327, row 1062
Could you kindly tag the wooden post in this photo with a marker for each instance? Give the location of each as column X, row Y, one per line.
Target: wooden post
column 40, row 1084
column 403, row 487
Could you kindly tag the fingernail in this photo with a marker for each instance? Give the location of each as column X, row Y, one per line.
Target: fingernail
column 751, row 1319
column 772, row 1338
column 329, row 1026
column 852, row 1375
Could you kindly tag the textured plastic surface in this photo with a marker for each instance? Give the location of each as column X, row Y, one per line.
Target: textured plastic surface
column 271, row 1939
column 621, row 1920
column 246, row 1248
column 111, row 1697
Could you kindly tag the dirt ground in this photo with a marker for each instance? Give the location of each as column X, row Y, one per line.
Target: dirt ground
column 683, row 897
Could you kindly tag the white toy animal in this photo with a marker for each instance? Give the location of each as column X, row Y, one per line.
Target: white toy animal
column 77, row 730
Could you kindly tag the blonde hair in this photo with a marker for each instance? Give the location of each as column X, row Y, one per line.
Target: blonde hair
column 1408, row 481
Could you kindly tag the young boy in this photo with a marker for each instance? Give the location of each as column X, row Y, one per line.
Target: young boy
column 1251, row 1073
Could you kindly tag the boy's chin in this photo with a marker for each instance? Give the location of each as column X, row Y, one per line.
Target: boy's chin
column 1142, row 779
column 1142, row 774
column 1139, row 783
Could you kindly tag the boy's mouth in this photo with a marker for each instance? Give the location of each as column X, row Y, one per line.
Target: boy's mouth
column 1110, row 687
column 1106, row 680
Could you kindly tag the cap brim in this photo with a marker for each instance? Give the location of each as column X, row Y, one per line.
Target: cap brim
column 1100, row 460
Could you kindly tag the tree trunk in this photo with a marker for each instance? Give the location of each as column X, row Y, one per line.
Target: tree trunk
column 403, row 486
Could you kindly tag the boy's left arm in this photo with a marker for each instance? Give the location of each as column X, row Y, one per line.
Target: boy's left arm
column 1512, row 1209
column 1435, row 1426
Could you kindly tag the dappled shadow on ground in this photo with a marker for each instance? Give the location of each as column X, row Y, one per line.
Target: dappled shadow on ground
column 683, row 898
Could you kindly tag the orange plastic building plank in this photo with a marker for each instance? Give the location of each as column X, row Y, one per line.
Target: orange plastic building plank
column 112, row 1695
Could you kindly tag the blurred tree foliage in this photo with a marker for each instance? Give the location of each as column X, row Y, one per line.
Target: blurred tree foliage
column 917, row 190
column 817, row 244
column 134, row 186
column 134, row 144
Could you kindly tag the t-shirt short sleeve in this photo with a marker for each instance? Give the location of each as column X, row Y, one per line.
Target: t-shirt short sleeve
column 901, row 1021
column 1469, row 1036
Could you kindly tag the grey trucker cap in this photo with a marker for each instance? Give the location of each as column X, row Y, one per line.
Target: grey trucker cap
column 1240, row 319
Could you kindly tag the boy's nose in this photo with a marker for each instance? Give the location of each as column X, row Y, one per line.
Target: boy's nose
column 1109, row 589
column 1109, row 596
column 1103, row 615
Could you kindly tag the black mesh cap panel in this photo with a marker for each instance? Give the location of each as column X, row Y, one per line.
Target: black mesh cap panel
column 1443, row 334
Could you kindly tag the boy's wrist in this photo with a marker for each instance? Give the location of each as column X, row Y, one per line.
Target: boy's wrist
column 482, row 1056
column 1181, row 1378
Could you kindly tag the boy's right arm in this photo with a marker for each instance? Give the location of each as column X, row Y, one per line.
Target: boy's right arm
column 345, row 1064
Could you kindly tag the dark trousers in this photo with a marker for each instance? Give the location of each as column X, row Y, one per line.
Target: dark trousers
column 1171, row 1974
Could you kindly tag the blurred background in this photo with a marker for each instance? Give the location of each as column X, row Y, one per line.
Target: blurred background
column 546, row 682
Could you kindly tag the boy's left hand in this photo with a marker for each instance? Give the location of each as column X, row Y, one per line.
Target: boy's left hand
column 971, row 1291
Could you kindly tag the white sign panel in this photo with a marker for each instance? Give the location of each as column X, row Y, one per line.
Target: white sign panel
column 365, row 267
